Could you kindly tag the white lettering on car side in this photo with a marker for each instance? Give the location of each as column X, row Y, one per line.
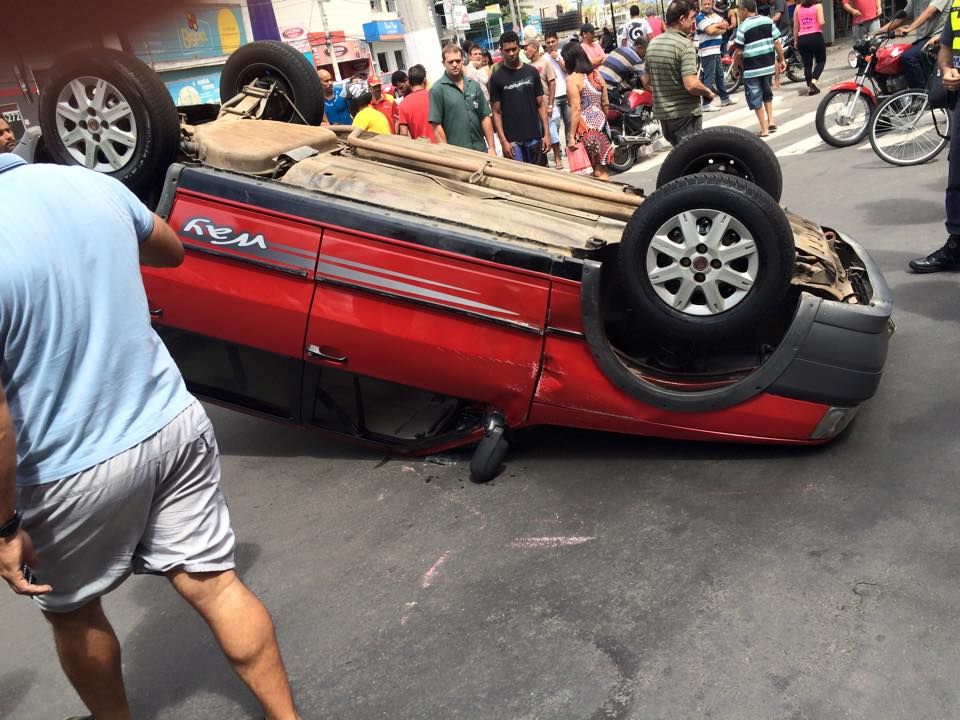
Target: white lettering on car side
column 203, row 227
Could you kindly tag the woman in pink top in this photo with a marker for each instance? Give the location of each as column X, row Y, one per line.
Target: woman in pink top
column 808, row 30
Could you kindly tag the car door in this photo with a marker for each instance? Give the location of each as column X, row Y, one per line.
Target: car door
column 402, row 336
column 233, row 315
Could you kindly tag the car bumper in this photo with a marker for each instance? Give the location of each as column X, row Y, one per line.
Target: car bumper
column 831, row 356
column 839, row 361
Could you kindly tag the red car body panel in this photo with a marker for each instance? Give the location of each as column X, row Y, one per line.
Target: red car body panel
column 493, row 357
column 572, row 391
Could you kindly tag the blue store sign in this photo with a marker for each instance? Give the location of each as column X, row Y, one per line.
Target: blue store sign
column 383, row 30
column 199, row 32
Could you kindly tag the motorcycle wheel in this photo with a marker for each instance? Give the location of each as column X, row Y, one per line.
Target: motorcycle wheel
column 905, row 131
column 843, row 133
column 795, row 69
column 624, row 156
column 730, row 81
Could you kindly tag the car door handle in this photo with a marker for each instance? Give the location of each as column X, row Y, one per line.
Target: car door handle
column 315, row 352
column 156, row 312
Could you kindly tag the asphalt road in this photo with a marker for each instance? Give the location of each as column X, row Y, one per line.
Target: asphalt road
column 691, row 581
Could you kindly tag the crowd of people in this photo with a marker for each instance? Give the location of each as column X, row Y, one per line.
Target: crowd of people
column 541, row 98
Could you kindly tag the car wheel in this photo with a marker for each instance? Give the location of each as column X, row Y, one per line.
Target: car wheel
column 706, row 257
column 109, row 112
column 269, row 61
column 728, row 151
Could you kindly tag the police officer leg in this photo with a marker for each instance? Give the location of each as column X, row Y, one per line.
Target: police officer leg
column 948, row 256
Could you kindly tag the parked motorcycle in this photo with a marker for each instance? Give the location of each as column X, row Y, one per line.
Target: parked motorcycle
column 733, row 80
column 631, row 123
column 844, row 112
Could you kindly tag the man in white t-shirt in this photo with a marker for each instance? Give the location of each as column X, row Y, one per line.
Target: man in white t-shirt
column 623, row 34
column 552, row 42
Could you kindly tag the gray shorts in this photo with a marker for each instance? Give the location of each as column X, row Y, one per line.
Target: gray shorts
column 151, row 509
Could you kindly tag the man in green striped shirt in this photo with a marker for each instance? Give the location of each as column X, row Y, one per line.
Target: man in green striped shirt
column 672, row 68
column 757, row 55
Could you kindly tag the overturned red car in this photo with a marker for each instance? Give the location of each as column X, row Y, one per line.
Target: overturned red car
column 421, row 297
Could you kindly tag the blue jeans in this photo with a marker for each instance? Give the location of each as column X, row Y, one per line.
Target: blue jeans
column 713, row 75
column 912, row 65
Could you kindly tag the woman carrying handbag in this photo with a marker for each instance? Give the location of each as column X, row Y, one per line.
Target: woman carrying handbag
column 587, row 97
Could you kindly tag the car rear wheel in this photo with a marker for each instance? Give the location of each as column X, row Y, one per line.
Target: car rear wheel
column 298, row 94
column 705, row 258
column 726, row 150
column 111, row 113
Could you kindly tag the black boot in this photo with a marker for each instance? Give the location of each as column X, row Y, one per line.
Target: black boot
column 946, row 258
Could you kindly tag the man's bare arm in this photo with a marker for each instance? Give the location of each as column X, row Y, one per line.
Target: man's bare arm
column 163, row 248
column 692, row 84
column 16, row 550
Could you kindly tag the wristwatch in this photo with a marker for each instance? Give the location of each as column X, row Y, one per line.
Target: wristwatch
column 11, row 526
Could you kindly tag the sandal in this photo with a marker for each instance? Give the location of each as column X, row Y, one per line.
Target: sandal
column 772, row 128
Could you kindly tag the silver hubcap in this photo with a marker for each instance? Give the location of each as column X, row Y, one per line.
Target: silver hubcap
column 96, row 124
column 702, row 262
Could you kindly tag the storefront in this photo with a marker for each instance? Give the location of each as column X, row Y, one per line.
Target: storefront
column 189, row 47
column 339, row 55
column 386, row 44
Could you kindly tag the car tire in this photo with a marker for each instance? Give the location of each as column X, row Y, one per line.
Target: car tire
column 270, row 60
column 700, row 289
column 134, row 138
column 726, row 150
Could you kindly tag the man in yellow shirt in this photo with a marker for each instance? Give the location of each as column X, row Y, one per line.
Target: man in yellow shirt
column 367, row 117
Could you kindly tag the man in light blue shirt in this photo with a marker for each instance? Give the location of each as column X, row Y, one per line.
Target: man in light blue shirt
column 107, row 464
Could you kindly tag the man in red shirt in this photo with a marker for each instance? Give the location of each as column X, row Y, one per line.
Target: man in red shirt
column 590, row 46
column 866, row 16
column 383, row 102
column 415, row 108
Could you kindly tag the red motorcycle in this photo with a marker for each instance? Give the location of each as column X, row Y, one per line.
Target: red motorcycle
column 844, row 112
column 631, row 123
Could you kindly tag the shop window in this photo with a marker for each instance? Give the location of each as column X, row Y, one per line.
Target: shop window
column 382, row 62
column 375, row 6
column 391, row 6
column 398, row 56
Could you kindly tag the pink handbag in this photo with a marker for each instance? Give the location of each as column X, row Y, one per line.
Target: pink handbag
column 578, row 160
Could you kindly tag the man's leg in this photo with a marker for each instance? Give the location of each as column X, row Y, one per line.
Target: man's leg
column 912, row 65
column 751, row 88
column 89, row 654
column 709, row 77
column 718, row 81
column 767, row 91
column 244, row 630
column 948, row 256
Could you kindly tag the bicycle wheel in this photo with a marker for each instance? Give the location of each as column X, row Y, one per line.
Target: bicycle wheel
column 904, row 130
